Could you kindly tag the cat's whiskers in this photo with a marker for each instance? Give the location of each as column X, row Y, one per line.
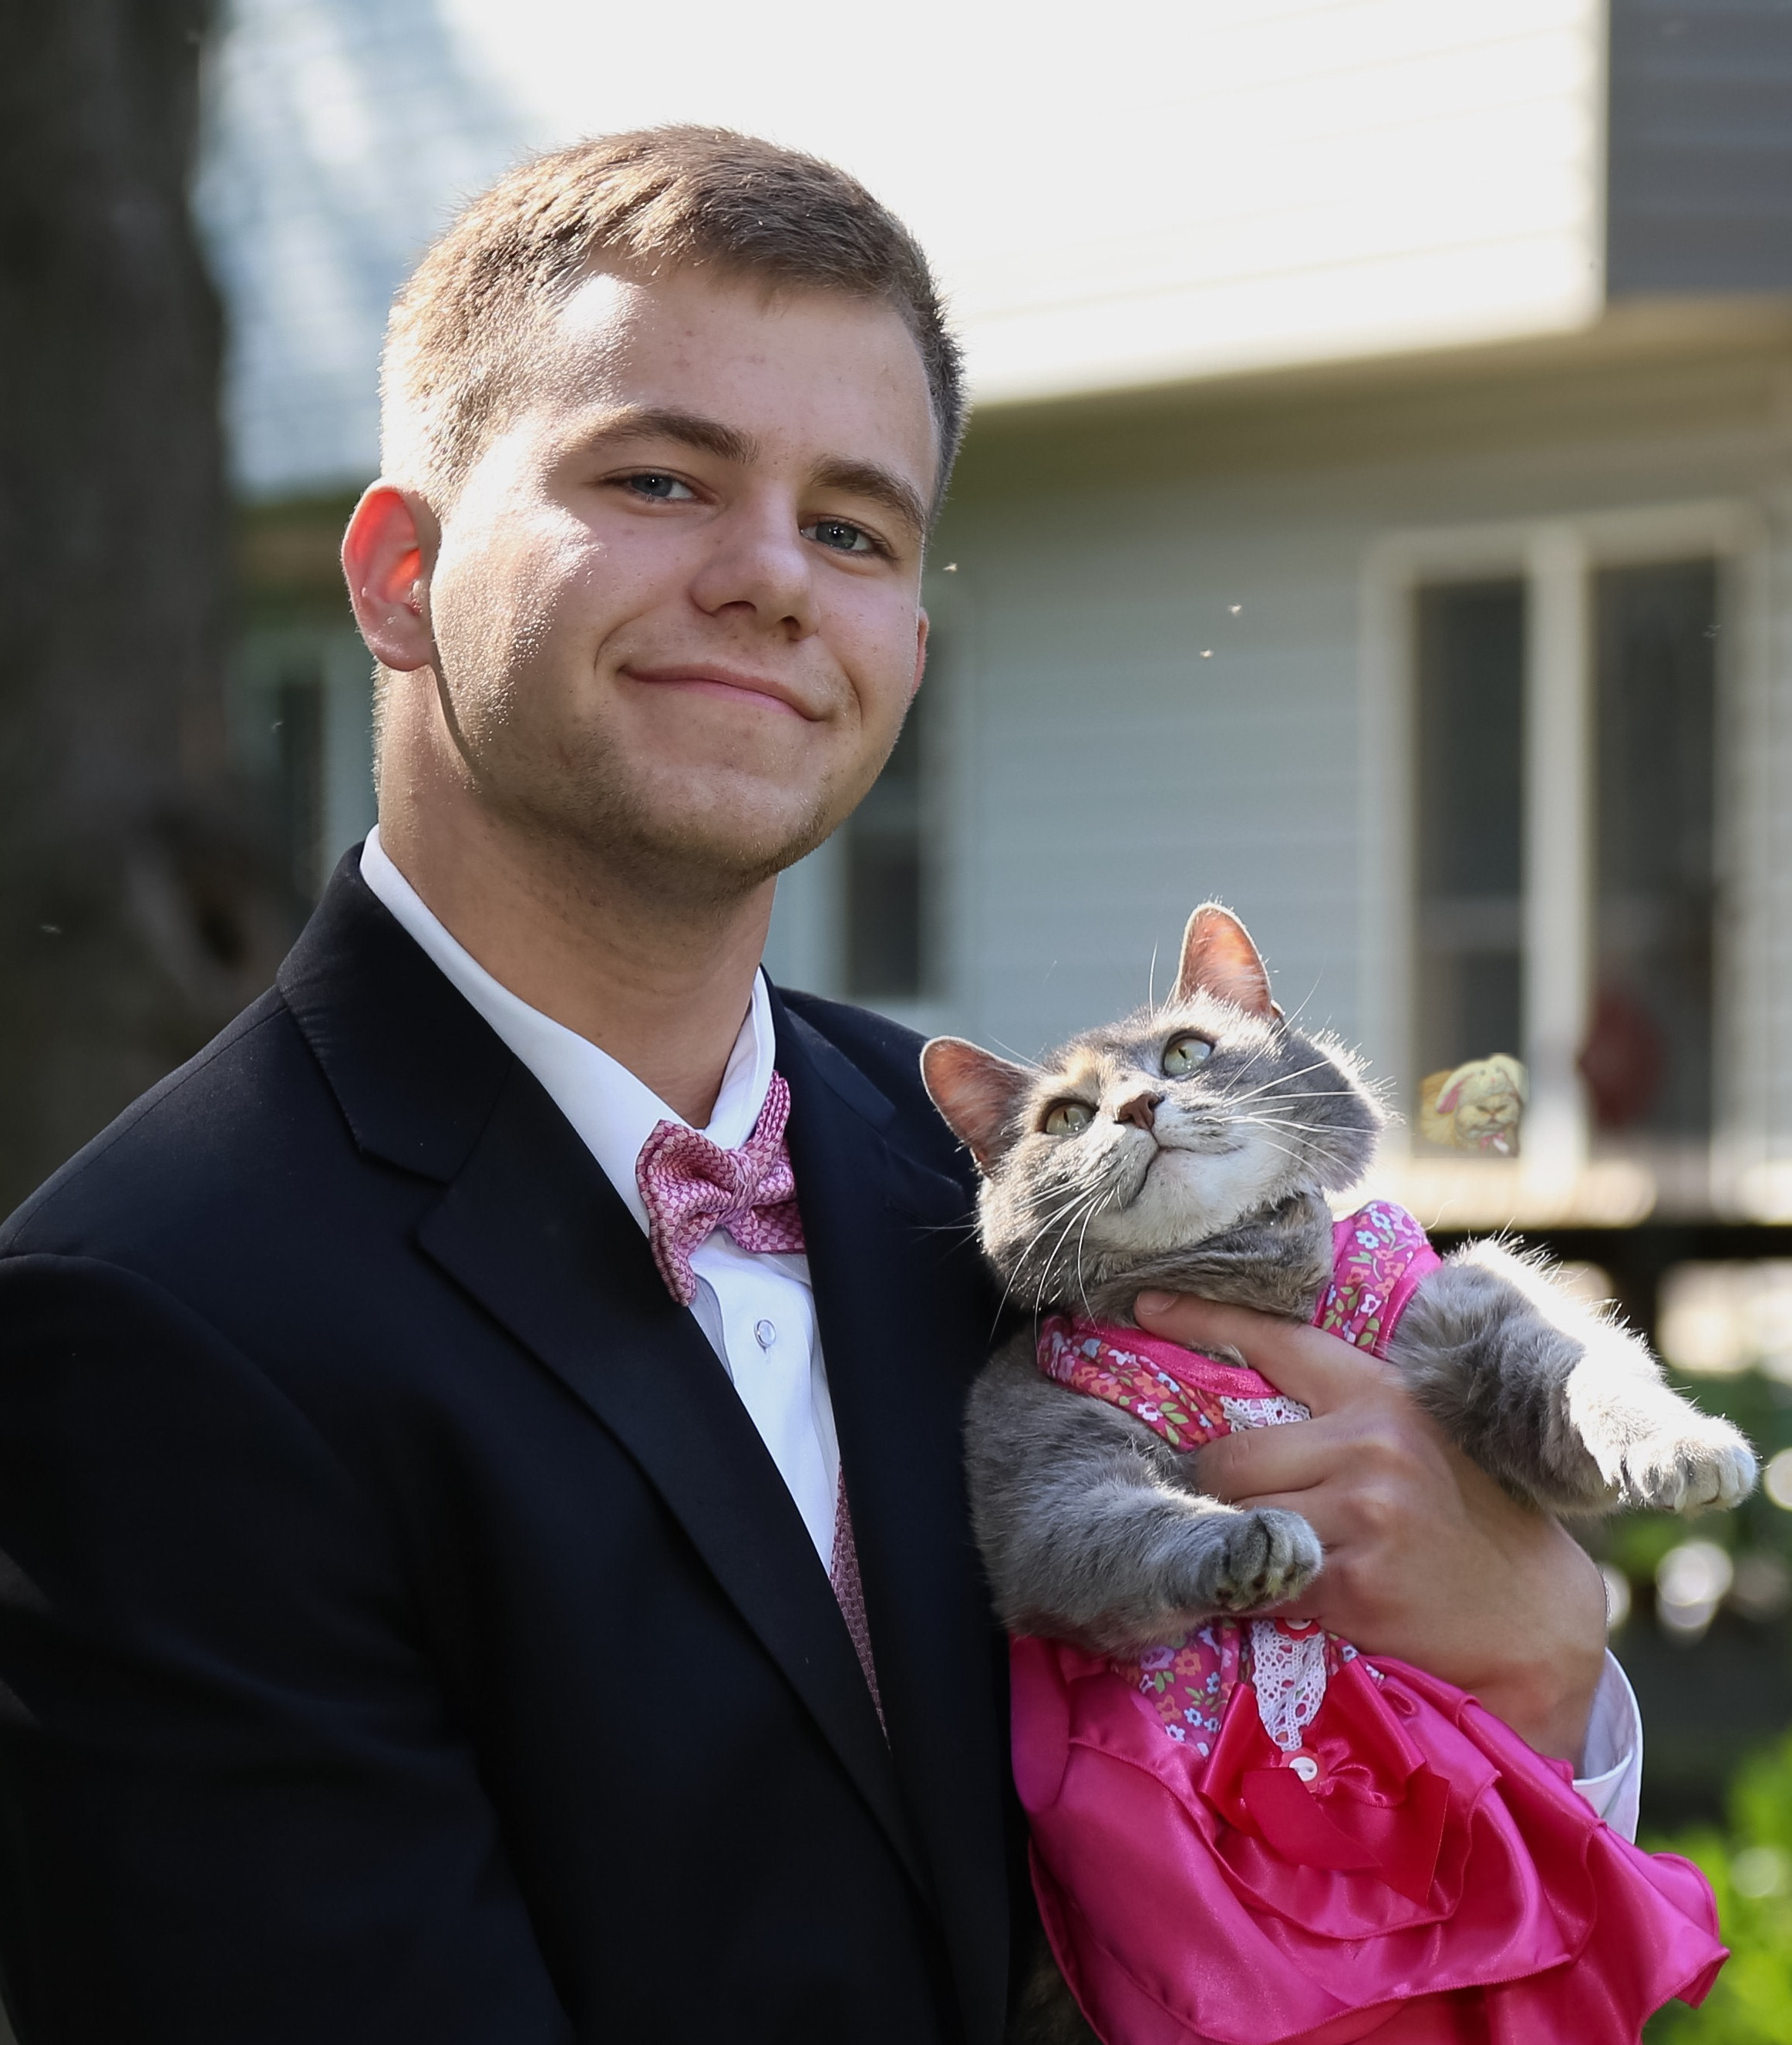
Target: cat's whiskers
column 1009, row 1284
column 1058, row 1191
column 1294, row 1156
column 1091, row 1204
column 1320, row 1143
column 1280, row 1122
column 1081, row 1238
column 1281, row 1079
column 1300, row 1094
column 1281, row 1114
column 1068, row 1213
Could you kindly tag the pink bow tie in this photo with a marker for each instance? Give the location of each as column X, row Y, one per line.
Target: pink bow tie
column 691, row 1187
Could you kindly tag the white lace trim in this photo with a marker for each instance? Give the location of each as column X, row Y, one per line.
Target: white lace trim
column 1288, row 1672
column 1274, row 1411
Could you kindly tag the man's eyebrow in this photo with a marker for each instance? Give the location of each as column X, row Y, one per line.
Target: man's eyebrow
column 663, row 422
column 883, row 486
column 695, row 429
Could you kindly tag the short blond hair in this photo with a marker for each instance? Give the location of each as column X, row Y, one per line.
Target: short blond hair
column 458, row 343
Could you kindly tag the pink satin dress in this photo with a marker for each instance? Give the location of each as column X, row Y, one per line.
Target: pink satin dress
column 1255, row 1834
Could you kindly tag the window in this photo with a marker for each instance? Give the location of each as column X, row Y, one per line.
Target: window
column 302, row 729
column 885, row 887
column 1646, row 1063
column 297, row 730
column 1469, row 817
column 1565, row 848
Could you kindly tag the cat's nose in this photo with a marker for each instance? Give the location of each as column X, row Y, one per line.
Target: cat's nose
column 1141, row 1111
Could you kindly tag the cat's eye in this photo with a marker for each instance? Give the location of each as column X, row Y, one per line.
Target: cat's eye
column 1182, row 1054
column 1069, row 1118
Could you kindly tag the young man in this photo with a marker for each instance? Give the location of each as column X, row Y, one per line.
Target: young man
column 487, row 1563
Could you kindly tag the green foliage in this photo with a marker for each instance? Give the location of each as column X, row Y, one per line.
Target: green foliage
column 1749, row 1865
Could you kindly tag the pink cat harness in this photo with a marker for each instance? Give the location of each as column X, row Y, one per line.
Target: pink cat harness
column 1253, row 1834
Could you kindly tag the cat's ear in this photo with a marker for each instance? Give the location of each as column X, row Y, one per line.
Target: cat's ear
column 977, row 1092
column 1219, row 958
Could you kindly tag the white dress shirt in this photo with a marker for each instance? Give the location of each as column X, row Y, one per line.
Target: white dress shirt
column 757, row 1308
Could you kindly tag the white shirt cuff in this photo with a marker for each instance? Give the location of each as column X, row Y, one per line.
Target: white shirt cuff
column 1613, row 1756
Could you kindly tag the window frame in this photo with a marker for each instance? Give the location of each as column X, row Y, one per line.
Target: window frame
column 1558, row 1178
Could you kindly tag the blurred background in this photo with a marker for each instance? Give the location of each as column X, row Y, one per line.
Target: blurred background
column 1377, row 512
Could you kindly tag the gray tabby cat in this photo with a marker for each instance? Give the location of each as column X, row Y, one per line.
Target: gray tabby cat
column 1190, row 1148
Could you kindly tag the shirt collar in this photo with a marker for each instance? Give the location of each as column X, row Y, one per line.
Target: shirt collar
column 613, row 1113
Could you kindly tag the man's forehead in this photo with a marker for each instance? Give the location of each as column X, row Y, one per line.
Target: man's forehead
column 763, row 362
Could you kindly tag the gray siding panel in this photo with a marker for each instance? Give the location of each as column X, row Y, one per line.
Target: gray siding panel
column 1700, row 194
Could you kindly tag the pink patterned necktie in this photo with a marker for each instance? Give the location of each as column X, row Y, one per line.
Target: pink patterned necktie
column 691, row 1187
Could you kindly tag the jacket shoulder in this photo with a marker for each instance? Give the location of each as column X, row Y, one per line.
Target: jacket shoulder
column 887, row 1055
column 233, row 1100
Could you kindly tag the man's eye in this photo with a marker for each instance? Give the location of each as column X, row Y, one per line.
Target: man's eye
column 662, row 489
column 1068, row 1117
column 843, row 538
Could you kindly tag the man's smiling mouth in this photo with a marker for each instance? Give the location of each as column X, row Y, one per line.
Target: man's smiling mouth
column 736, row 685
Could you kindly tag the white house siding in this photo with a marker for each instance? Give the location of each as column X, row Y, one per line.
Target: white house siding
column 1117, row 776
column 1114, row 742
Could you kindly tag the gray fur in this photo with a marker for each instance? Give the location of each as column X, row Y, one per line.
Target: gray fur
column 1276, row 1115
column 1091, row 1526
column 1558, row 1399
column 1091, row 1529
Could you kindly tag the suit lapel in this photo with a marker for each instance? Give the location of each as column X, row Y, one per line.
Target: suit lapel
column 534, row 1231
column 903, row 1309
column 530, row 1227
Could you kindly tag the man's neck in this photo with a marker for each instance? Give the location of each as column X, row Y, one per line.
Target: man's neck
column 660, row 987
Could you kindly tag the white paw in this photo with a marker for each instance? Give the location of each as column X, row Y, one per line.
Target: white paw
column 1699, row 1462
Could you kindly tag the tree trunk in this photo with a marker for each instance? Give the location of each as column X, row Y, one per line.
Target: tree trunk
column 136, row 914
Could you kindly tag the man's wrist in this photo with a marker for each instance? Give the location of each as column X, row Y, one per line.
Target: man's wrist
column 1549, row 1706
column 1547, row 1696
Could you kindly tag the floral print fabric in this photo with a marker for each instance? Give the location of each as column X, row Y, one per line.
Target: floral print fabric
column 1380, row 1254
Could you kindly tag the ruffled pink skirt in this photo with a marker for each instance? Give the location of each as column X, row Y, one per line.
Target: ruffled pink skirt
column 1415, row 1873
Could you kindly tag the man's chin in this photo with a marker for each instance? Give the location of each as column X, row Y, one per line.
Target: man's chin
column 703, row 856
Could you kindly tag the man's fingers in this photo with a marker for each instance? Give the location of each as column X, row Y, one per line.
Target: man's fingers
column 1260, row 1464
column 1320, row 1370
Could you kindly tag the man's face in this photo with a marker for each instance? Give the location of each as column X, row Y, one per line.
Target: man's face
column 675, row 606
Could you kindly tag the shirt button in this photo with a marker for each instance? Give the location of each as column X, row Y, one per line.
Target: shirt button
column 764, row 1334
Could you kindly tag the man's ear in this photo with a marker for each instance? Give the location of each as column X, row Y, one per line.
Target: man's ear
column 977, row 1092
column 1219, row 958
column 388, row 552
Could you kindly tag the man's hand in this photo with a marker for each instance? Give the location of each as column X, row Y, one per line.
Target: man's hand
column 1427, row 1559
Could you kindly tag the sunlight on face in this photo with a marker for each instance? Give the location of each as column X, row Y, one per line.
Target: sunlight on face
column 676, row 602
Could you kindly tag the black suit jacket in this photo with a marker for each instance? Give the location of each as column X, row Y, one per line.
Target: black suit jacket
column 404, row 1632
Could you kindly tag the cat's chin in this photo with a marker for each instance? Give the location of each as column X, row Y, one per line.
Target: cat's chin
column 1275, row 1258
column 1189, row 1197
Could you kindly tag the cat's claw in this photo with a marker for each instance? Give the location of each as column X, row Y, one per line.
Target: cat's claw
column 1267, row 1557
column 1698, row 1463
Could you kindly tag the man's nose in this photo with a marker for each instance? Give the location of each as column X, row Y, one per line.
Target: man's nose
column 759, row 561
column 1141, row 1111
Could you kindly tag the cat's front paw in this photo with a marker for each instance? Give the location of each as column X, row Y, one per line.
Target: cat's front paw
column 1266, row 1557
column 1695, row 1462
